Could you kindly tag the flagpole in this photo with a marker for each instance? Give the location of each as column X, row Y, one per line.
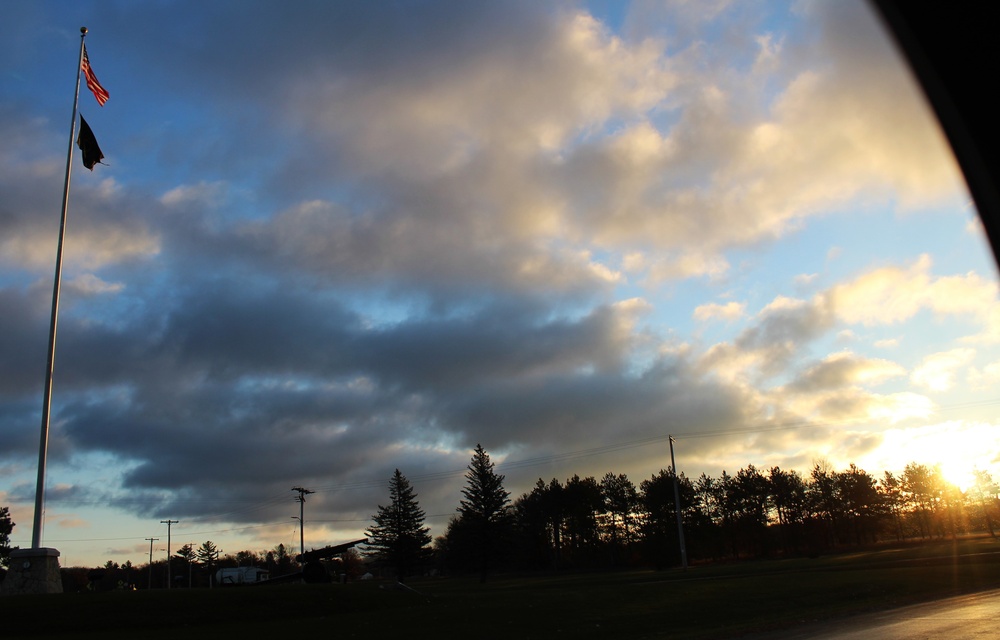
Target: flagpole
column 43, row 446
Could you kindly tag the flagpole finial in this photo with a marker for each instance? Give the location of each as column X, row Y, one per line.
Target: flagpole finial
column 83, row 30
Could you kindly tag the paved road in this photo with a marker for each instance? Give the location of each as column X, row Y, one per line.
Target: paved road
column 971, row 616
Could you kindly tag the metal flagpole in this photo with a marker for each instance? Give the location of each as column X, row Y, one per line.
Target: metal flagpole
column 43, row 446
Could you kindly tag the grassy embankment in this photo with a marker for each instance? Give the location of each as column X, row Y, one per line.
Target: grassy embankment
column 713, row 601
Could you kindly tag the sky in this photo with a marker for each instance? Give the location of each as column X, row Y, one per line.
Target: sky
column 331, row 240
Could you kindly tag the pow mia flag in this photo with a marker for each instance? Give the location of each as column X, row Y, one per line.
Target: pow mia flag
column 88, row 145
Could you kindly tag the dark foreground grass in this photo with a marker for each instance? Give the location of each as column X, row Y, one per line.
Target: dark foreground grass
column 716, row 601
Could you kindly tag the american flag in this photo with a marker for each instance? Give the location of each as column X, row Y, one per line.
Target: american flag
column 92, row 83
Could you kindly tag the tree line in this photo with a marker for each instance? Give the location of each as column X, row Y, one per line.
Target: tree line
column 590, row 523
column 190, row 566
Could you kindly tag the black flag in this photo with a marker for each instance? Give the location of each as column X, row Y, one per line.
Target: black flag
column 88, row 145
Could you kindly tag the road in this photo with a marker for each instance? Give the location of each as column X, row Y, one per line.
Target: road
column 959, row 618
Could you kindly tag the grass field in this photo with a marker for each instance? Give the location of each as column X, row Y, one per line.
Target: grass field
column 713, row 601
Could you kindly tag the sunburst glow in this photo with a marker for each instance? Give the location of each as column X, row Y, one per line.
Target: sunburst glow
column 957, row 448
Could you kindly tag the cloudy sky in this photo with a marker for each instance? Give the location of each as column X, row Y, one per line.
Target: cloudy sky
column 335, row 239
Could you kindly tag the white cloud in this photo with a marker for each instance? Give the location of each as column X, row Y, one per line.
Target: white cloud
column 986, row 378
column 898, row 407
column 769, row 56
column 937, row 372
column 883, row 296
column 892, row 295
column 729, row 312
column 203, row 194
column 90, row 285
column 687, row 265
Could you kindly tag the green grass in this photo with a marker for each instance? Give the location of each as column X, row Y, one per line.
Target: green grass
column 711, row 601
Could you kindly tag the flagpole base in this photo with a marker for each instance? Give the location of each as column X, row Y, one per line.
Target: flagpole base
column 32, row 571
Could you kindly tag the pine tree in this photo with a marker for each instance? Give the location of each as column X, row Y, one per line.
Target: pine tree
column 208, row 555
column 6, row 527
column 399, row 537
column 485, row 512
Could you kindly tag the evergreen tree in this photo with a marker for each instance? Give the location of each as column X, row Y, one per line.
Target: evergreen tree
column 485, row 511
column 187, row 553
column 6, row 527
column 282, row 560
column 399, row 537
column 621, row 501
column 208, row 555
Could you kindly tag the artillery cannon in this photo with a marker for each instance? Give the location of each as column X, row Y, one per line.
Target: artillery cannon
column 312, row 569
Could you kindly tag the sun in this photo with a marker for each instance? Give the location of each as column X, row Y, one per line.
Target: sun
column 958, row 472
column 956, row 448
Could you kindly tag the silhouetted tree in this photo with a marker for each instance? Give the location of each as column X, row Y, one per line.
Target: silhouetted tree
column 659, row 524
column 748, row 503
column 456, row 550
column 6, row 527
column 399, row 537
column 891, row 489
column 861, row 502
column 247, row 558
column 824, row 502
column 584, row 501
column 621, row 500
column 788, row 498
column 278, row 561
column 485, row 513
column 710, row 500
column 540, row 517
column 208, row 555
column 921, row 491
column 984, row 490
column 187, row 554
column 534, row 540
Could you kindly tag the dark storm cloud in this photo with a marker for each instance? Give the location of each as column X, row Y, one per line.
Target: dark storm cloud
column 587, row 407
column 24, row 347
column 498, row 343
column 231, row 374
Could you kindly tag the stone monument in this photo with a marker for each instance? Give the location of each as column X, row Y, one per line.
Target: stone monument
column 32, row 571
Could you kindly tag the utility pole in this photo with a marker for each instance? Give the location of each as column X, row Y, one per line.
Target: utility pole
column 151, row 561
column 302, row 522
column 677, row 506
column 168, row 523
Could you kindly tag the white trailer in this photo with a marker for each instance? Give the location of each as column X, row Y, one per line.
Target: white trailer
column 240, row 575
